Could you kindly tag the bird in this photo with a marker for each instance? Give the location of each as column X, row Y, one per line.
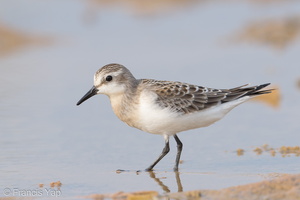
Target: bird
column 166, row 107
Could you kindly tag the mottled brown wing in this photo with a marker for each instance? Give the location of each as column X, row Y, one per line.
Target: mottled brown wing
column 186, row 98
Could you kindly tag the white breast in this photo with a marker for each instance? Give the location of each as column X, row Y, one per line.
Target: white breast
column 151, row 117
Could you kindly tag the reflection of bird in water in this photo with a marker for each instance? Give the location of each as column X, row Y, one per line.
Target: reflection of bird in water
column 165, row 107
column 163, row 186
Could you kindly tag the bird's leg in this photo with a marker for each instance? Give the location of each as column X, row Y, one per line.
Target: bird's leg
column 179, row 149
column 163, row 153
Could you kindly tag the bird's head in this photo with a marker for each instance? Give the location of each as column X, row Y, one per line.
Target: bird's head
column 112, row 79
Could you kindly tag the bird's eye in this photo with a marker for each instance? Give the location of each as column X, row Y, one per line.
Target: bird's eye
column 108, row 78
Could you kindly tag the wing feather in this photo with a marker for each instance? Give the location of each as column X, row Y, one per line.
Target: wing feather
column 186, row 98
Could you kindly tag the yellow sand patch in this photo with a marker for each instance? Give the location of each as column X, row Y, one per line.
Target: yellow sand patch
column 272, row 99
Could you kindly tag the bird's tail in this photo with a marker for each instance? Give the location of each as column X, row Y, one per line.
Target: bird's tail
column 251, row 91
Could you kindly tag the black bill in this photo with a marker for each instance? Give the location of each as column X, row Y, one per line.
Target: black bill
column 88, row 95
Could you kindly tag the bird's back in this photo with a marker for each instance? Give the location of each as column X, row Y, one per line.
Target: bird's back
column 186, row 98
column 167, row 107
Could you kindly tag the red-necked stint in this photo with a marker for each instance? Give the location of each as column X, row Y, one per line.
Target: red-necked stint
column 166, row 107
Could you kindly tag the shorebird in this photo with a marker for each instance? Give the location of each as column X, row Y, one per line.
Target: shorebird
column 165, row 107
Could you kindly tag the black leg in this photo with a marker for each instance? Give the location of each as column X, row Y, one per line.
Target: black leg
column 163, row 153
column 179, row 149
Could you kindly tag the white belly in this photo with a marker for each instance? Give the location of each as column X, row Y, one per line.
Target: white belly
column 154, row 119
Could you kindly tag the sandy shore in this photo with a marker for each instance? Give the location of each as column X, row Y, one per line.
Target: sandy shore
column 285, row 187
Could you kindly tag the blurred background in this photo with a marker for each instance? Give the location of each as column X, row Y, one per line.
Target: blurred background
column 49, row 51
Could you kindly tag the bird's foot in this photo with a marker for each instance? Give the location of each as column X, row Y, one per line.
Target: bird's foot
column 175, row 169
column 148, row 169
column 136, row 171
column 145, row 170
column 118, row 171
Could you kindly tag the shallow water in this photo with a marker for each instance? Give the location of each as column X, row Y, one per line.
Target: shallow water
column 46, row 138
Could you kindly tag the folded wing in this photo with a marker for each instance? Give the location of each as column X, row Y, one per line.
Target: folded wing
column 186, row 98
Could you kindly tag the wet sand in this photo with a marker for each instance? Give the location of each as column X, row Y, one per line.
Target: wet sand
column 282, row 187
column 284, row 151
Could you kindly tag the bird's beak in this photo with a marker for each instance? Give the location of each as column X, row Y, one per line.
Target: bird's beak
column 88, row 95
